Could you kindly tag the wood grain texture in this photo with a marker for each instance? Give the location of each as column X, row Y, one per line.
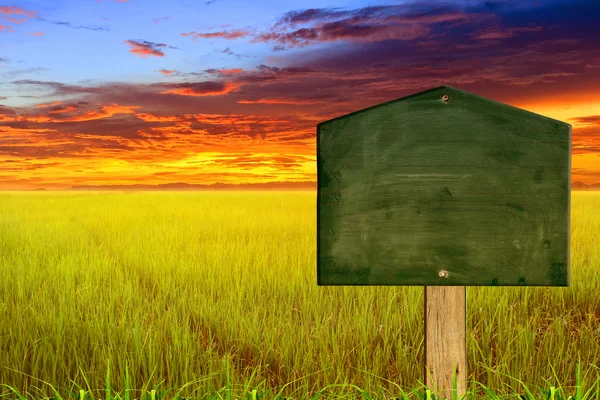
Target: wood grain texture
column 445, row 339
column 419, row 185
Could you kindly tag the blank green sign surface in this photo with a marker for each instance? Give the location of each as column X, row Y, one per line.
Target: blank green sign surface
column 443, row 187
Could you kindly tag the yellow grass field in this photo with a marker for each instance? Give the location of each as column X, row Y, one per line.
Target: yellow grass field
column 196, row 287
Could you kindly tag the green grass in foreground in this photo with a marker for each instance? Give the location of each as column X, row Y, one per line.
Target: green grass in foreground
column 218, row 290
column 352, row 392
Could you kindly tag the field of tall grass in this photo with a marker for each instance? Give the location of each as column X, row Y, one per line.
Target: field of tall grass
column 214, row 290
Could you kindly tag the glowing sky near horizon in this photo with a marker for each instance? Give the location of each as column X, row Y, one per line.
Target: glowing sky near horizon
column 119, row 92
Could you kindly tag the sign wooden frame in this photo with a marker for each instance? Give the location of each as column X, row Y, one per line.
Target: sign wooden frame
column 443, row 189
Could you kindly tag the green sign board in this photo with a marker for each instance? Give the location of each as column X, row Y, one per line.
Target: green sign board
column 443, row 187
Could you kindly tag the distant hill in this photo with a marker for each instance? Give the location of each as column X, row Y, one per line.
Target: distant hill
column 306, row 185
column 214, row 186
column 583, row 186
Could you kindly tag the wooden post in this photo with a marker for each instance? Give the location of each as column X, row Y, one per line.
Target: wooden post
column 445, row 339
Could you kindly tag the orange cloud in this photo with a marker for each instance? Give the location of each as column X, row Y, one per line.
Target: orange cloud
column 36, row 34
column 144, row 48
column 60, row 113
column 588, row 120
column 64, row 110
column 167, row 71
column 147, row 117
column 201, row 88
column 107, row 111
column 231, row 71
column 15, row 20
column 6, row 28
column 251, row 161
column 14, row 10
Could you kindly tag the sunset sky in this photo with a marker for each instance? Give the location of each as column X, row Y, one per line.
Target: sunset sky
column 120, row 92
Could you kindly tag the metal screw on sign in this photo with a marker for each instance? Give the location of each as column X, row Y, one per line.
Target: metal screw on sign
column 445, row 98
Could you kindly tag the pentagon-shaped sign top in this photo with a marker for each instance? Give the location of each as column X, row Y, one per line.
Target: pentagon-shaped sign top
column 443, row 187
